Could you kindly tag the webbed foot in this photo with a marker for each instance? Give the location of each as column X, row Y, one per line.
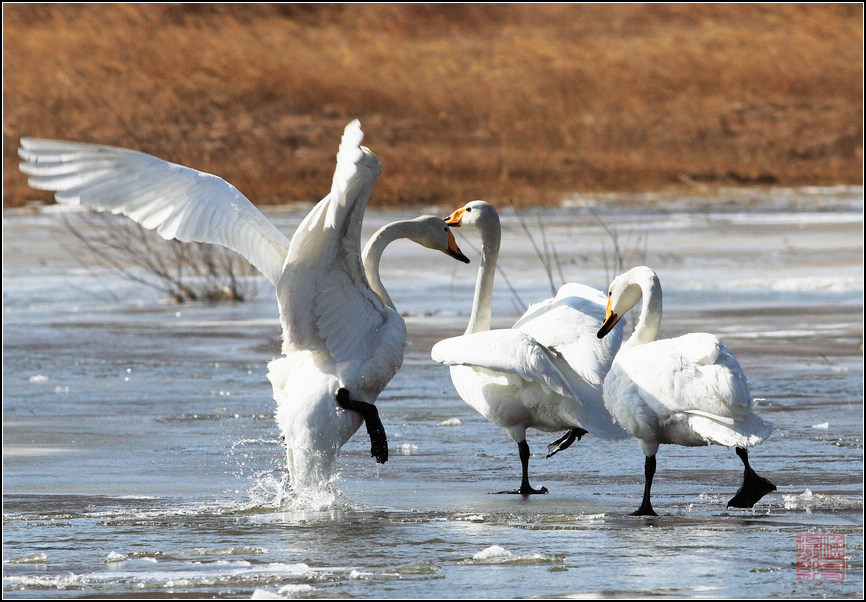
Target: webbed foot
column 565, row 441
column 754, row 486
column 525, row 491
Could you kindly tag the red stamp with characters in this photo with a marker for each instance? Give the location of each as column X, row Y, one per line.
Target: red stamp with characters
column 820, row 557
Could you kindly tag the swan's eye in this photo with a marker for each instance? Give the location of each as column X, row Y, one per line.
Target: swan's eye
column 468, row 209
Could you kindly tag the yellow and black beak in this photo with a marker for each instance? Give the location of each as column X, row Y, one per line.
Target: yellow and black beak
column 455, row 219
column 610, row 320
column 453, row 250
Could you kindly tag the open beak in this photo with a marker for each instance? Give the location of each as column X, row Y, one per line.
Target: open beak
column 610, row 320
column 455, row 218
column 454, row 251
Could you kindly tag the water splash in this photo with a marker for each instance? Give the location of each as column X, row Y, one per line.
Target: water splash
column 809, row 501
column 274, row 488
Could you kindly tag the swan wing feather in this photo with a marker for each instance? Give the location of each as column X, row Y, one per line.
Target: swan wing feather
column 569, row 323
column 659, row 382
column 326, row 302
column 504, row 350
column 178, row 202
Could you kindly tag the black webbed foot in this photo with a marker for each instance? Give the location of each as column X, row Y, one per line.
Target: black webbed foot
column 750, row 492
column 525, row 487
column 565, row 441
column 645, row 509
column 525, row 491
column 375, row 429
column 754, row 486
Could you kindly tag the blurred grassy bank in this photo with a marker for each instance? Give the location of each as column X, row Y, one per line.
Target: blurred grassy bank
column 507, row 102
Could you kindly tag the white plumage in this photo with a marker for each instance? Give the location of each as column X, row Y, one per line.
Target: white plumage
column 688, row 390
column 178, row 202
column 546, row 372
column 338, row 333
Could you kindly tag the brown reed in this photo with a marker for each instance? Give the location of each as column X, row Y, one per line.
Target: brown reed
column 521, row 103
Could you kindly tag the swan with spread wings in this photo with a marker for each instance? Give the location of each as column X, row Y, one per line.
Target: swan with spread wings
column 342, row 340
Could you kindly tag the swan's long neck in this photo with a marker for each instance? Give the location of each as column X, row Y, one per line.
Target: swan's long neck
column 647, row 326
column 372, row 255
column 479, row 320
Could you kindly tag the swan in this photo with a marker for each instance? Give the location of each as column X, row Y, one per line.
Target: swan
column 688, row 390
column 546, row 372
column 342, row 340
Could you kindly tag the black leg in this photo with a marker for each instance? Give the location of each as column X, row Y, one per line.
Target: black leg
column 649, row 471
column 754, row 487
column 525, row 488
column 565, row 441
column 370, row 414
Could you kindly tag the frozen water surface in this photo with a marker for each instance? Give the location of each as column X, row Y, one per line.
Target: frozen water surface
column 141, row 457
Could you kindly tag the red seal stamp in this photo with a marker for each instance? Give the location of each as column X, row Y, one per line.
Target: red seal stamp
column 821, row 557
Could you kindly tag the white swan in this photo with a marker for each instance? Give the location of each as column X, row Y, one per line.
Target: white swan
column 546, row 372
column 339, row 337
column 688, row 390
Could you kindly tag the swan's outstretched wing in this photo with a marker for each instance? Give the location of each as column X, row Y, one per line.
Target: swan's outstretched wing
column 325, row 300
column 177, row 201
column 512, row 351
column 505, row 350
column 569, row 323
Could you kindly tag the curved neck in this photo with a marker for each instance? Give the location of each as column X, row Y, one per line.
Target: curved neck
column 479, row 320
column 372, row 255
column 647, row 327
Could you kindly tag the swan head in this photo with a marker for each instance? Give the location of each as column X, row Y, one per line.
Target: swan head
column 434, row 233
column 624, row 292
column 475, row 215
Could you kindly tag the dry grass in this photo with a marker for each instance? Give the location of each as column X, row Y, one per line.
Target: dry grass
column 507, row 102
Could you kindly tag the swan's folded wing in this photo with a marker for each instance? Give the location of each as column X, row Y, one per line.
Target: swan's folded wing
column 178, row 202
column 662, row 377
column 505, row 350
column 712, row 372
column 326, row 303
